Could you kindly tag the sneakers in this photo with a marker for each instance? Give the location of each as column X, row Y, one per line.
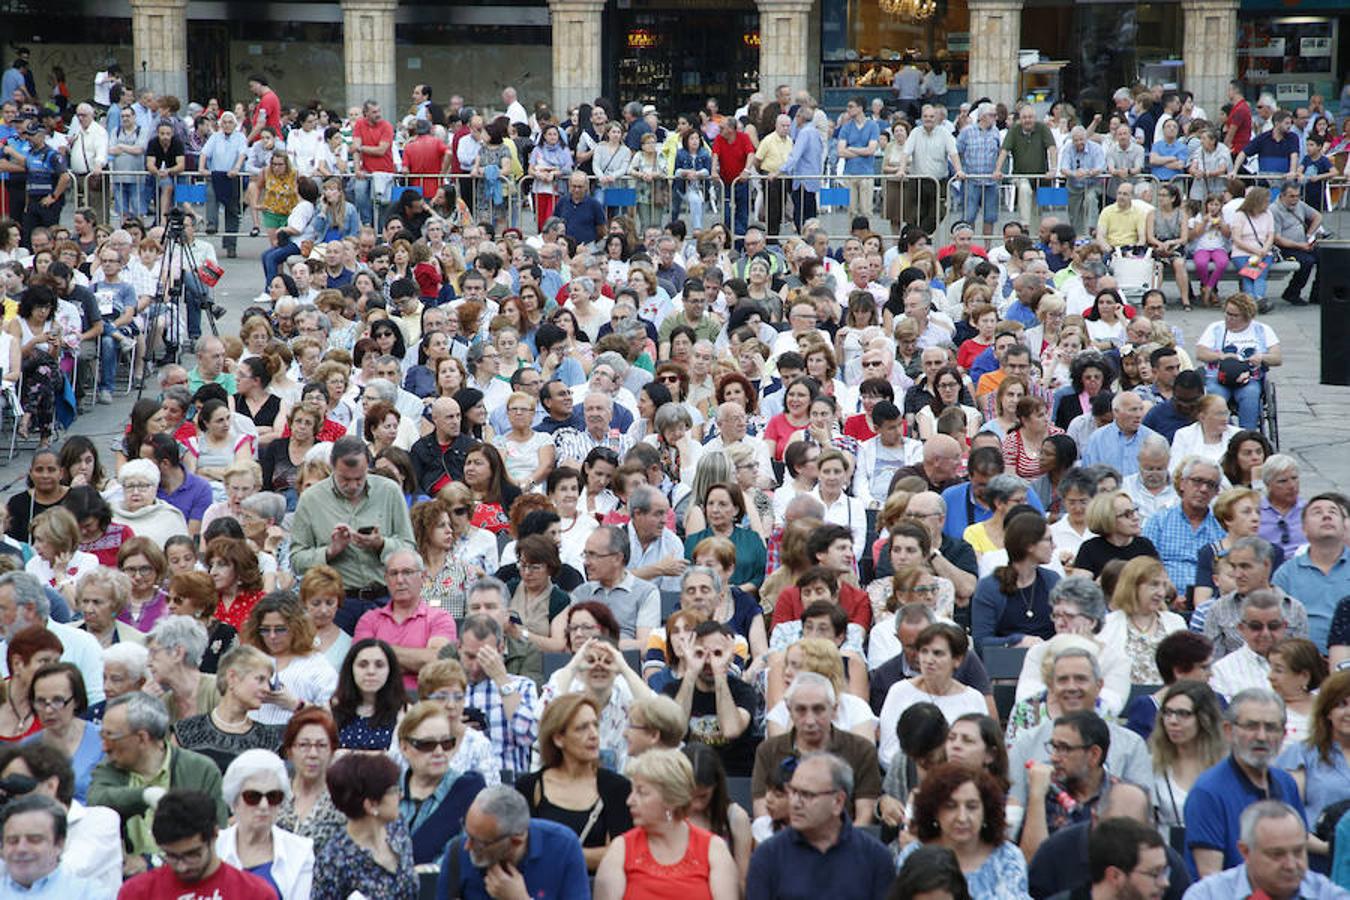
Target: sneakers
column 105, row 398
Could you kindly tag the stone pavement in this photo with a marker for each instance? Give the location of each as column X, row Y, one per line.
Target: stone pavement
column 1314, row 419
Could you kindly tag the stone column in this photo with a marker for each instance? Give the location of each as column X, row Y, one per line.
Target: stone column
column 577, row 55
column 159, row 45
column 368, row 53
column 1209, row 49
column 995, row 38
column 784, row 44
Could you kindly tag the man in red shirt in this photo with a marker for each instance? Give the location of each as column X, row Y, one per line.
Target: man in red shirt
column 730, row 149
column 1238, row 126
column 426, row 154
column 268, row 110
column 185, row 829
column 372, row 151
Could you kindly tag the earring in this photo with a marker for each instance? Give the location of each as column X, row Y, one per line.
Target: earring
column 670, row 816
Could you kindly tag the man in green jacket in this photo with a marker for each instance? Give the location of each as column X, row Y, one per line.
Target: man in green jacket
column 140, row 767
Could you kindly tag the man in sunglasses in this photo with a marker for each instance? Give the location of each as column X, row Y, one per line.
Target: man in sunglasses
column 1261, row 625
column 1251, row 561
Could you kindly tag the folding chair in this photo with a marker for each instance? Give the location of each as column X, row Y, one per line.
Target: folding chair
column 9, row 395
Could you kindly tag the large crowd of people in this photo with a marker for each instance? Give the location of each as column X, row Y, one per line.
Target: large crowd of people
column 650, row 559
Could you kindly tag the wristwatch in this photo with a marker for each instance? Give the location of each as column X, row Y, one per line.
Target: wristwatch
column 508, row 689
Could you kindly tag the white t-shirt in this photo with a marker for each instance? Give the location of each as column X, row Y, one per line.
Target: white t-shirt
column 850, row 712
column 1257, row 337
column 903, row 695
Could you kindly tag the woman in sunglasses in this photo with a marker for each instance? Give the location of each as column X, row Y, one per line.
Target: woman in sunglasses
column 444, row 682
column 255, row 788
column 279, row 627
column 435, row 796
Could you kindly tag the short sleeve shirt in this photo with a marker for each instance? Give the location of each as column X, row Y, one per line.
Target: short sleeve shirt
column 371, row 136
column 1272, row 155
column 164, row 157
column 1029, row 151
column 855, row 135
column 731, row 155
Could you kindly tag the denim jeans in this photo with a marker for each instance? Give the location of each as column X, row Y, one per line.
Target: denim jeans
column 980, row 196
column 272, row 259
column 364, row 199
column 128, row 195
column 1248, row 398
column 1254, row 286
column 107, row 358
column 739, row 197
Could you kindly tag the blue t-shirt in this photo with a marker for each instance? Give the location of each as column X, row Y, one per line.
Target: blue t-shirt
column 113, row 299
column 1179, row 150
column 1314, row 194
column 1217, row 800
column 584, row 220
column 1272, row 155
column 855, row 135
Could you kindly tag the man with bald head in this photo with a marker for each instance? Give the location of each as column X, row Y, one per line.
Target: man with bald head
column 732, row 423
column 941, row 456
column 1117, row 444
column 438, row 457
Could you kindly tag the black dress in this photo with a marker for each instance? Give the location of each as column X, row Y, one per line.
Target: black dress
column 611, row 820
column 266, row 414
column 1096, row 552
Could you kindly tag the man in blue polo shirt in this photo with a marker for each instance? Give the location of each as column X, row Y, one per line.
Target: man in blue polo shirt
column 1319, row 578
column 1276, row 151
column 965, row 501
column 1254, row 728
column 820, row 853
column 502, row 853
column 582, row 213
column 188, row 493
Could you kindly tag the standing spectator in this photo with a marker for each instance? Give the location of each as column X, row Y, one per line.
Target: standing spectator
column 978, row 146
column 731, row 150
column 1083, row 163
column 267, row 112
column 858, row 139
column 928, row 152
column 1238, row 123
column 1031, row 146
column 222, row 157
column 373, row 154
column 46, row 180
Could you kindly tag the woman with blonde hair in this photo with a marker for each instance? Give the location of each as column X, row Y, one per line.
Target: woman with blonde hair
column 456, row 551
column 58, row 561
column 664, row 855
column 1113, row 517
column 1139, row 618
column 1186, row 741
column 321, row 594
column 852, row 713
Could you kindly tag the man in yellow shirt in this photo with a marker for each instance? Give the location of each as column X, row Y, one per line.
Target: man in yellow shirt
column 769, row 158
column 1123, row 223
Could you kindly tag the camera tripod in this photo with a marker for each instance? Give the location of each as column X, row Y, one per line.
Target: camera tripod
column 167, row 311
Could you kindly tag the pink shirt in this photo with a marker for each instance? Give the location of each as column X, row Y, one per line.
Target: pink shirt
column 419, row 628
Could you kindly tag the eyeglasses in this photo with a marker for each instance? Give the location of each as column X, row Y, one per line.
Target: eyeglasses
column 265, row 630
column 1259, row 627
column 138, row 570
column 583, row 629
column 1178, row 713
column 460, row 510
column 1163, row 874
column 426, row 745
column 253, row 798
column 447, row 696
column 52, row 702
column 918, row 516
column 796, row 793
column 186, row 855
column 136, row 486
column 311, row 746
column 1203, row 482
column 1055, row 748
column 1130, row 513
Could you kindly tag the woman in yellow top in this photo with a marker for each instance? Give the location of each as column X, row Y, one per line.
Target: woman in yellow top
column 1002, row 493
column 278, row 188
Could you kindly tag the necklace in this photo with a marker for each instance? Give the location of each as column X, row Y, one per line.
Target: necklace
column 228, row 726
column 1027, row 600
column 19, row 719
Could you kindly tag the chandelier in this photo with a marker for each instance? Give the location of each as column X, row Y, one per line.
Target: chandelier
column 913, row 10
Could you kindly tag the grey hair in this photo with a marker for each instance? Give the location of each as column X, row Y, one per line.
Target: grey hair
column 140, row 469
column 605, row 397
column 412, row 554
column 144, row 713
column 178, row 394
column 1079, row 653
column 618, row 540
column 250, row 764
column 1188, row 466
column 642, row 498
column 707, row 572
column 803, row 680
column 507, row 806
column 585, row 282
column 268, row 505
column 381, row 389
column 115, row 580
column 1002, row 487
column 1083, row 593
column 614, row 361
column 1259, row 812
column 1077, row 480
column 132, row 657
column 804, row 506
column 1156, row 443
column 1256, row 695
column 1266, row 599
column 671, row 414
column 489, row 583
column 630, row 328
column 173, row 632
column 841, row 773
column 1277, row 464
column 914, row 613
column 28, row 592
column 1258, row 546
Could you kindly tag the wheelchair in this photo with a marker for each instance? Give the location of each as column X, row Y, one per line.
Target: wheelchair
column 1268, row 416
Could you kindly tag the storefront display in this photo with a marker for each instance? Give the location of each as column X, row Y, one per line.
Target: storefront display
column 676, row 60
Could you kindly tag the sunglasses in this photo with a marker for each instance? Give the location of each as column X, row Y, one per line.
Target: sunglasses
column 426, row 745
column 253, row 798
column 460, row 510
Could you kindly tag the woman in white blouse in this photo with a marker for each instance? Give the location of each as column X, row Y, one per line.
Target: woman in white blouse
column 820, row 657
column 941, row 648
column 1208, row 436
column 277, row 625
